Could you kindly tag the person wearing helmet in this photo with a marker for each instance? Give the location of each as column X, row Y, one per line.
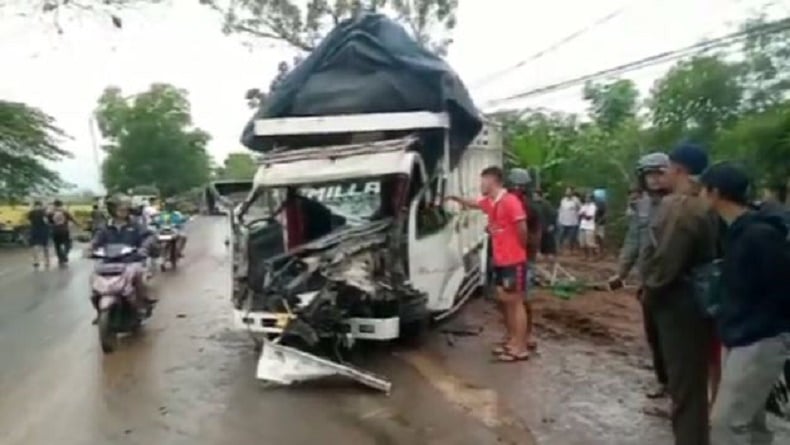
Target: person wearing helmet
column 519, row 182
column 149, row 211
column 171, row 216
column 652, row 187
column 123, row 229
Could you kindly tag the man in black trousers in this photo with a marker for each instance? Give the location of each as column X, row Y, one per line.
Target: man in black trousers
column 683, row 238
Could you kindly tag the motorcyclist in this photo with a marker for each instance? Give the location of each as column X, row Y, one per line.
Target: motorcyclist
column 149, row 211
column 171, row 216
column 650, row 172
column 122, row 229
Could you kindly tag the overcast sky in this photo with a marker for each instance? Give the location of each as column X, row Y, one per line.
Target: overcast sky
column 182, row 44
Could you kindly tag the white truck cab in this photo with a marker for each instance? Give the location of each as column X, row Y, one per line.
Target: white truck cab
column 365, row 218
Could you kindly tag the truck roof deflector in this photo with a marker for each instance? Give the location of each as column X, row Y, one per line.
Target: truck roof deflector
column 351, row 123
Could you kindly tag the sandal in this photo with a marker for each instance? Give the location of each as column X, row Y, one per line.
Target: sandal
column 657, row 393
column 509, row 357
column 501, row 349
column 532, row 345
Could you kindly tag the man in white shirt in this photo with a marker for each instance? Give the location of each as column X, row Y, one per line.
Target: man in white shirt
column 150, row 211
column 568, row 219
column 587, row 226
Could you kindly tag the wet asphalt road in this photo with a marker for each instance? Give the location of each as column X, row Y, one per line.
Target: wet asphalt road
column 189, row 378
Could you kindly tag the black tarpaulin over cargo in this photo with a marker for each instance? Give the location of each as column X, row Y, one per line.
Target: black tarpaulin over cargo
column 370, row 65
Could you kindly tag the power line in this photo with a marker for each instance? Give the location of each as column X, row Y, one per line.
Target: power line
column 667, row 56
column 553, row 47
column 663, row 57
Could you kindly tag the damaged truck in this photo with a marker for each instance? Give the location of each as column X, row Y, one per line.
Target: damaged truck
column 344, row 234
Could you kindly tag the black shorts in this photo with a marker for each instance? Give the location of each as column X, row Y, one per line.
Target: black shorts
column 511, row 278
column 548, row 244
column 39, row 239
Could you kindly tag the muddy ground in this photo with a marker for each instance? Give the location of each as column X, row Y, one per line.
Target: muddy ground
column 587, row 384
column 189, row 377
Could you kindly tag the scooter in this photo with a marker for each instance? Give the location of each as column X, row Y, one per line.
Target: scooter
column 167, row 236
column 112, row 290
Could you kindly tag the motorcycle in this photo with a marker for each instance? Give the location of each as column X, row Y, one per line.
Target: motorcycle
column 112, row 290
column 167, row 237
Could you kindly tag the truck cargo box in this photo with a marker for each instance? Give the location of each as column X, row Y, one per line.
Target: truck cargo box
column 369, row 65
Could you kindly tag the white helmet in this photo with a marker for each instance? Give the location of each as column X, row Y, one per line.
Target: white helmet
column 519, row 177
column 657, row 161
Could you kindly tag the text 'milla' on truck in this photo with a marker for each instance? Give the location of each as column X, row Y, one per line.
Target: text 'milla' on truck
column 345, row 235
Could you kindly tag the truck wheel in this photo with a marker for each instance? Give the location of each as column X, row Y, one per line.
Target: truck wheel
column 414, row 332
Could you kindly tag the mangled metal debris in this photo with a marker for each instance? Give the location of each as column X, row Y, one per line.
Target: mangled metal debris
column 285, row 365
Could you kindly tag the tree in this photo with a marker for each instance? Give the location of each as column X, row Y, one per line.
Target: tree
column 29, row 140
column 695, row 99
column 241, row 166
column 541, row 141
column 761, row 141
column 612, row 104
column 430, row 22
column 766, row 74
column 152, row 141
column 255, row 96
column 303, row 27
column 56, row 10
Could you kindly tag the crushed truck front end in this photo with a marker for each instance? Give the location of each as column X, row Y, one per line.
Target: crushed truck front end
column 340, row 243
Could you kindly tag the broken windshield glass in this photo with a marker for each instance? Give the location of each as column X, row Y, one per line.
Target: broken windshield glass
column 354, row 200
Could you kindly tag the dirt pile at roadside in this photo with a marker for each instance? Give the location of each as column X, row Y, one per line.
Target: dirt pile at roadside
column 606, row 318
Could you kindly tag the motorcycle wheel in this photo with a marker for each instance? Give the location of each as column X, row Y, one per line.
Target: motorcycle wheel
column 173, row 251
column 107, row 337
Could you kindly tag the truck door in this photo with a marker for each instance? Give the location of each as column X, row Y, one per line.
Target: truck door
column 435, row 265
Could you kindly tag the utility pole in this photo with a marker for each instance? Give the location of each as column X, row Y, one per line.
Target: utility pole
column 92, row 124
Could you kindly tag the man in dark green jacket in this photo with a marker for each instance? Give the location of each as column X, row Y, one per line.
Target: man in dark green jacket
column 651, row 171
column 683, row 236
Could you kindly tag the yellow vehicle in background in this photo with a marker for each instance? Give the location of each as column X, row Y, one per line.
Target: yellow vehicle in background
column 13, row 224
column 82, row 214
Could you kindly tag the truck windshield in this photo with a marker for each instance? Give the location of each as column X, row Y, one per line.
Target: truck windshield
column 355, row 200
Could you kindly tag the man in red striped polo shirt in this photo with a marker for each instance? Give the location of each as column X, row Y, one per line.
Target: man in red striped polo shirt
column 507, row 225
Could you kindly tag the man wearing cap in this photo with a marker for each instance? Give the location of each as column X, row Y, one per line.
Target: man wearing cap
column 682, row 237
column 753, row 309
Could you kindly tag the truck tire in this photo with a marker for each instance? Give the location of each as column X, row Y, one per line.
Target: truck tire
column 414, row 333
